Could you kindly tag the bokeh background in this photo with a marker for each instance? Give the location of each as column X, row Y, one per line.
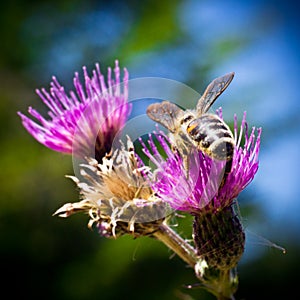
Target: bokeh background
column 189, row 41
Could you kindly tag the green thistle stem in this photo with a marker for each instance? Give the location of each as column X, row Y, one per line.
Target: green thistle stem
column 177, row 244
column 224, row 285
column 221, row 283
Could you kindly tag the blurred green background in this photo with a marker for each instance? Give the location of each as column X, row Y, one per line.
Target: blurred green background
column 189, row 41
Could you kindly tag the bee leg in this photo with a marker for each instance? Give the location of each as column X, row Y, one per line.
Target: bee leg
column 183, row 153
column 226, row 172
column 186, row 163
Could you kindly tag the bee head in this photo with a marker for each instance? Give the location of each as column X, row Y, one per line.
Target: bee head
column 187, row 118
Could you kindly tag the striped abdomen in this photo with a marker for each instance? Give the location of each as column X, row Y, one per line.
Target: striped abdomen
column 212, row 136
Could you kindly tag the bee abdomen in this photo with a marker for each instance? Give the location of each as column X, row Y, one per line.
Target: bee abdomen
column 222, row 149
column 212, row 136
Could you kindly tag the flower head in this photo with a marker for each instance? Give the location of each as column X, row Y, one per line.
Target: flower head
column 85, row 121
column 117, row 196
column 198, row 188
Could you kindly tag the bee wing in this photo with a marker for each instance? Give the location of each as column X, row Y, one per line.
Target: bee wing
column 165, row 113
column 213, row 91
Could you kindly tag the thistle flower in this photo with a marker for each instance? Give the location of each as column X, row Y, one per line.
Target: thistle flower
column 200, row 190
column 218, row 234
column 85, row 121
column 117, row 197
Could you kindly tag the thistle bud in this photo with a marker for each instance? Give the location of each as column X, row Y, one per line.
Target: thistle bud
column 219, row 238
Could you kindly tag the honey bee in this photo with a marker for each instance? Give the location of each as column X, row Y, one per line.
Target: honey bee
column 205, row 131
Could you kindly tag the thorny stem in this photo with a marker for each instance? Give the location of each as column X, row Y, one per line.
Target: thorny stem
column 177, row 244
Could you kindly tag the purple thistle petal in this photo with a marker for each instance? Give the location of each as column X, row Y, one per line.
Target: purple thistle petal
column 199, row 189
column 84, row 121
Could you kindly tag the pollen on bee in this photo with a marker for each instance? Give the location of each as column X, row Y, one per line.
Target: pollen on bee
column 191, row 128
